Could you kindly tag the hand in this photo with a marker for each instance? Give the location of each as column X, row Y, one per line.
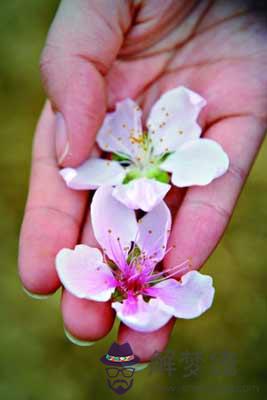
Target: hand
column 102, row 52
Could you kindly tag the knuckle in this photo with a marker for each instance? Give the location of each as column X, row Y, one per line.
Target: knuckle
column 237, row 172
column 215, row 208
column 49, row 58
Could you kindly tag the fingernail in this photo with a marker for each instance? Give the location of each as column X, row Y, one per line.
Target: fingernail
column 36, row 296
column 62, row 143
column 140, row 366
column 76, row 341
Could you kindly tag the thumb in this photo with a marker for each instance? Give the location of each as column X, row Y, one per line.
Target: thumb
column 84, row 40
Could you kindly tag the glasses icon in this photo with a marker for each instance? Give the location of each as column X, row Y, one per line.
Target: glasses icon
column 126, row 372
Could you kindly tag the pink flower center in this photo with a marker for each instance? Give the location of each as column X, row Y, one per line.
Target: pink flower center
column 136, row 272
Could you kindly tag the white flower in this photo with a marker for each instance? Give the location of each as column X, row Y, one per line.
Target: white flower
column 142, row 159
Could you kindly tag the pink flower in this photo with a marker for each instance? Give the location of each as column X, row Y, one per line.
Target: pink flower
column 142, row 160
column 144, row 298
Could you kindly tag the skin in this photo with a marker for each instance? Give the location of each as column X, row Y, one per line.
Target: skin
column 140, row 50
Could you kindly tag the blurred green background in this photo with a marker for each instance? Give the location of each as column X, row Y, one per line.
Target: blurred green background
column 37, row 361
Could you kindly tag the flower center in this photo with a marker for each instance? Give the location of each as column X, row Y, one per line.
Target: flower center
column 132, row 274
column 136, row 273
column 145, row 164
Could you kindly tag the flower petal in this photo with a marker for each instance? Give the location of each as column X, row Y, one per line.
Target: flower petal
column 140, row 315
column 83, row 273
column 114, row 225
column 154, row 230
column 120, row 128
column 186, row 299
column 93, row 173
column 141, row 193
column 196, row 163
column 172, row 120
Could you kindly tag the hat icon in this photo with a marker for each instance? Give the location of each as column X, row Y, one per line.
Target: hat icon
column 120, row 355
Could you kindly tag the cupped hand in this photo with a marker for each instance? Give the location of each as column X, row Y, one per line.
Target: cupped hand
column 100, row 52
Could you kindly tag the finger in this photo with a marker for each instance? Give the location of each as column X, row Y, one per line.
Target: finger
column 86, row 320
column 174, row 199
column 53, row 213
column 73, row 62
column 206, row 211
column 145, row 345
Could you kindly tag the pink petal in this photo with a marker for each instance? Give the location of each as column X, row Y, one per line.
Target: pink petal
column 83, row 273
column 172, row 120
column 114, row 225
column 140, row 315
column 141, row 193
column 196, row 163
column 186, row 299
column 154, row 230
column 120, row 127
column 93, row 173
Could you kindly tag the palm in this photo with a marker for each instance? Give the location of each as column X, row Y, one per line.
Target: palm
column 221, row 58
column 214, row 50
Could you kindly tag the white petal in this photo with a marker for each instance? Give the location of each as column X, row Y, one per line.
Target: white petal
column 83, row 273
column 186, row 299
column 172, row 120
column 154, row 230
column 120, row 128
column 142, row 193
column 142, row 316
column 114, row 225
column 93, row 173
column 196, row 163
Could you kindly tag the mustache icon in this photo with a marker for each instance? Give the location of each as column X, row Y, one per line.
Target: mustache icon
column 120, row 386
column 123, row 382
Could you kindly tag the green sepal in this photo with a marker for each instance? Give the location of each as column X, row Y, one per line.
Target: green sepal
column 164, row 157
column 117, row 296
column 119, row 157
column 133, row 254
column 112, row 265
column 158, row 174
column 133, row 174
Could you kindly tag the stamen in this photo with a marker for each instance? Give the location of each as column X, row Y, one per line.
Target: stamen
column 173, row 271
column 104, row 256
column 186, row 269
column 134, row 276
column 138, row 140
column 169, row 249
column 114, row 254
column 154, row 250
column 123, row 257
